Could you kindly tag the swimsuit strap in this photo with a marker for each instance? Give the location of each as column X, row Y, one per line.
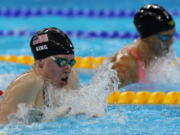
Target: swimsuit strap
column 45, row 95
column 140, row 64
column 1, row 92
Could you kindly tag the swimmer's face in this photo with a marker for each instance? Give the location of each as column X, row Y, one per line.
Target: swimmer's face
column 163, row 41
column 56, row 69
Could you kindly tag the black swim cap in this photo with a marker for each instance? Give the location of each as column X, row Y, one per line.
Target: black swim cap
column 152, row 19
column 50, row 41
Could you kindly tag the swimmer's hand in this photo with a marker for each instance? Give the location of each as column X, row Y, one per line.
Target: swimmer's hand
column 61, row 111
column 34, row 116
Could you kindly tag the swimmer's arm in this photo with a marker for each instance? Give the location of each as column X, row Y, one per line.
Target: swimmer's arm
column 73, row 82
column 126, row 69
column 57, row 112
column 22, row 91
column 61, row 111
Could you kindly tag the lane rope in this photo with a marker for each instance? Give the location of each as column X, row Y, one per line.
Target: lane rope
column 84, row 62
column 77, row 34
column 89, row 13
column 88, row 62
column 141, row 97
column 81, row 34
column 144, row 97
column 117, row 97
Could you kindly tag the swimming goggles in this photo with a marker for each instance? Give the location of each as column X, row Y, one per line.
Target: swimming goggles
column 165, row 38
column 62, row 62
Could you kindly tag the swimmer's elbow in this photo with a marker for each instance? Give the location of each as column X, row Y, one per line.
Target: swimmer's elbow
column 62, row 111
column 3, row 120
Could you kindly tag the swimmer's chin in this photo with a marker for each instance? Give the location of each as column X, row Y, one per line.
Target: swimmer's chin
column 165, row 52
column 60, row 84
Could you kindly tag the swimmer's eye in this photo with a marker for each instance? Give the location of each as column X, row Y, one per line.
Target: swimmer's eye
column 63, row 62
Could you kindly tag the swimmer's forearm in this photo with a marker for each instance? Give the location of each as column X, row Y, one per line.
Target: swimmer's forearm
column 3, row 121
column 61, row 111
column 5, row 112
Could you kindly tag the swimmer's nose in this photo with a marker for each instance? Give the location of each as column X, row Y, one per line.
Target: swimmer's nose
column 68, row 68
column 170, row 41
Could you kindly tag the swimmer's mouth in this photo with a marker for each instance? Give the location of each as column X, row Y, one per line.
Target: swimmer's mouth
column 64, row 79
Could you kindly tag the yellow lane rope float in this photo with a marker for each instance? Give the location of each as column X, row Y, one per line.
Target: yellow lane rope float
column 81, row 62
column 143, row 97
column 85, row 62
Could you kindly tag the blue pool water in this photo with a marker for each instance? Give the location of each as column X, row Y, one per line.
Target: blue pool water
column 117, row 120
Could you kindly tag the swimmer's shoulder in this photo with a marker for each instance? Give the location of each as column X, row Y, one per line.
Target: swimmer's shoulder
column 24, row 89
column 124, row 58
column 28, row 79
column 122, row 54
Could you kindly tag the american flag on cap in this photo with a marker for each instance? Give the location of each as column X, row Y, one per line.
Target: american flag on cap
column 40, row 39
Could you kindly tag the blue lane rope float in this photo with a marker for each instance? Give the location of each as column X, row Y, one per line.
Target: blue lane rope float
column 77, row 34
column 81, row 34
column 90, row 13
column 6, row 12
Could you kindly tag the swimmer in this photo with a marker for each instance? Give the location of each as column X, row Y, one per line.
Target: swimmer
column 54, row 58
column 156, row 28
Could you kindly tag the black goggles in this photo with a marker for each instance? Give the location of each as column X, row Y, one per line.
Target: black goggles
column 62, row 62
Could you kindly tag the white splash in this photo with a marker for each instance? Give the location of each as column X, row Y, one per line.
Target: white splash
column 89, row 99
column 20, row 116
column 5, row 80
column 164, row 70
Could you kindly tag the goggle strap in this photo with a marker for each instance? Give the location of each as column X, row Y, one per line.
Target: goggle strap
column 53, row 58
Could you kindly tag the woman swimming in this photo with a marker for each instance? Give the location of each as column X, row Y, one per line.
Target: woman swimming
column 54, row 58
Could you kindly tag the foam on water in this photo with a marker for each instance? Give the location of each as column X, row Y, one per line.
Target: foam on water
column 5, row 79
column 163, row 74
column 164, row 70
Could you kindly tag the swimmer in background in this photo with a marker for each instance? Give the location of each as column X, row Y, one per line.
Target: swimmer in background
column 54, row 58
column 156, row 28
